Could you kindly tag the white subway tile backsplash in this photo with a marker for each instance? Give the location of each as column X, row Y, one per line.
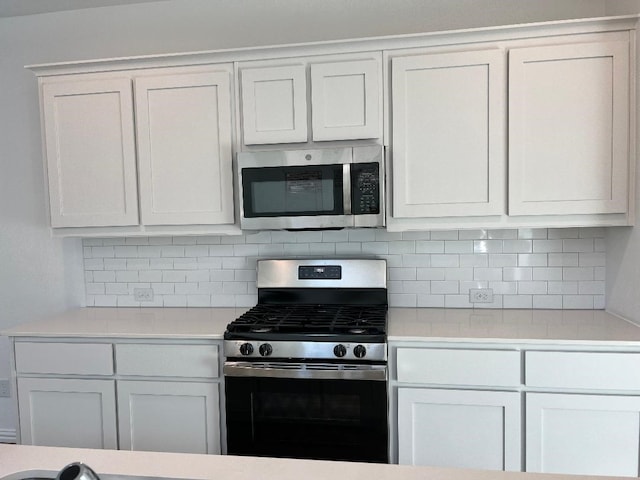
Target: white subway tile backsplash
column 487, row 246
column 416, row 260
column 547, row 246
column 516, row 274
column 547, row 301
column 517, row 301
column 444, row 235
column 429, row 246
column 503, row 234
column 474, row 260
column 533, row 259
column 526, row 268
column 445, row 261
column 489, row 274
column 503, row 260
column 445, row 287
column 517, row 246
column 563, row 259
column 472, row 234
column 402, row 246
column 577, row 301
column 581, row 245
column 431, row 301
column 431, row 273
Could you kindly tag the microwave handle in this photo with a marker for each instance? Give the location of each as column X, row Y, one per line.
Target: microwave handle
column 346, row 188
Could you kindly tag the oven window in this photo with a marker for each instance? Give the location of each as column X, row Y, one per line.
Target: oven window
column 307, row 418
column 292, row 191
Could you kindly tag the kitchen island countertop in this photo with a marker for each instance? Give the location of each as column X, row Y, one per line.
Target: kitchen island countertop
column 47, row 461
column 405, row 324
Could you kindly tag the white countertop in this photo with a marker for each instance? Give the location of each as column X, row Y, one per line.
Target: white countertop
column 49, row 460
column 565, row 327
column 405, row 324
column 183, row 323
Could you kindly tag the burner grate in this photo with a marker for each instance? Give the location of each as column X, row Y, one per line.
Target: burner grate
column 312, row 319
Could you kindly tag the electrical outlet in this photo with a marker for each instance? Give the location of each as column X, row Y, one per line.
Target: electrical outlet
column 143, row 294
column 5, row 388
column 481, row 295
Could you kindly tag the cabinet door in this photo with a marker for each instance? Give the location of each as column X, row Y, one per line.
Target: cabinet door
column 184, row 144
column 346, row 100
column 178, row 417
column 569, row 129
column 67, row 412
column 90, row 150
column 583, row 434
column 448, row 123
column 274, row 104
column 459, row 428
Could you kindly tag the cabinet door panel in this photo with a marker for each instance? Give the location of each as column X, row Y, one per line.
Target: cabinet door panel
column 67, row 413
column 178, row 417
column 583, row 434
column 569, row 129
column 184, row 132
column 345, row 100
column 90, row 149
column 274, row 105
column 458, row 428
column 448, row 125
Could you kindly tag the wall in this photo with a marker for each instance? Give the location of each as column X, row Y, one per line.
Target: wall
column 623, row 244
column 41, row 274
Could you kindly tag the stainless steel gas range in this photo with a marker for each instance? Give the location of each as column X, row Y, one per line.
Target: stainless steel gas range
column 306, row 368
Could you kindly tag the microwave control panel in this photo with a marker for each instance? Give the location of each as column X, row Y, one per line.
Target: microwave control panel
column 365, row 188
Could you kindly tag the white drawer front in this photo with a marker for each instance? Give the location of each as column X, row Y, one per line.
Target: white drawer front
column 64, row 358
column 495, row 368
column 583, row 370
column 194, row 361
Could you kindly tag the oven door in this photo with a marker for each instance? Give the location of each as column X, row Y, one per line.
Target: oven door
column 307, row 411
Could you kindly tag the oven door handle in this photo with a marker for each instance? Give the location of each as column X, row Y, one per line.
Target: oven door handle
column 301, row 371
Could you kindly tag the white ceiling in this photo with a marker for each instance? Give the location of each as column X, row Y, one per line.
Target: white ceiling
column 14, row 8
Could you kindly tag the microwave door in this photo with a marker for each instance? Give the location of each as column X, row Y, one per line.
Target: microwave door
column 310, row 196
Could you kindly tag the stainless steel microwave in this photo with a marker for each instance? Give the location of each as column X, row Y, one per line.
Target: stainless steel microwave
column 312, row 189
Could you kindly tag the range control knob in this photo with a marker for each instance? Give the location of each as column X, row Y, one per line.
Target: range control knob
column 246, row 349
column 265, row 349
column 339, row 350
column 359, row 351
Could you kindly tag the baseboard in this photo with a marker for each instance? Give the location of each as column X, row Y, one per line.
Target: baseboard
column 7, row 435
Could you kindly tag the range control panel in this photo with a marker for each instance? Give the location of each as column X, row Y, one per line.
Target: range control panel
column 319, row 272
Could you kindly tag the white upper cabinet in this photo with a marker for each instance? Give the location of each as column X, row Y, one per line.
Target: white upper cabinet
column 180, row 121
column 185, row 148
column 569, row 129
column 448, row 122
column 90, row 152
column 274, row 104
column 344, row 100
column 328, row 98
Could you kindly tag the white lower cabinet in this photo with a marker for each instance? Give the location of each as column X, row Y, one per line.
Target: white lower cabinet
column 67, row 412
column 583, row 434
column 152, row 396
column 459, row 428
column 169, row 416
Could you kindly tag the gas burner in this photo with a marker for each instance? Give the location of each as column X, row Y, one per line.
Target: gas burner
column 357, row 331
column 260, row 329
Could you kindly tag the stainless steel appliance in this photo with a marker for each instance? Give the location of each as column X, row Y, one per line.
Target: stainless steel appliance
column 306, row 368
column 304, row 189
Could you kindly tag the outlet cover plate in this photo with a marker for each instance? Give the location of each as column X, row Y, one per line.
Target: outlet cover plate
column 143, row 294
column 481, row 295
